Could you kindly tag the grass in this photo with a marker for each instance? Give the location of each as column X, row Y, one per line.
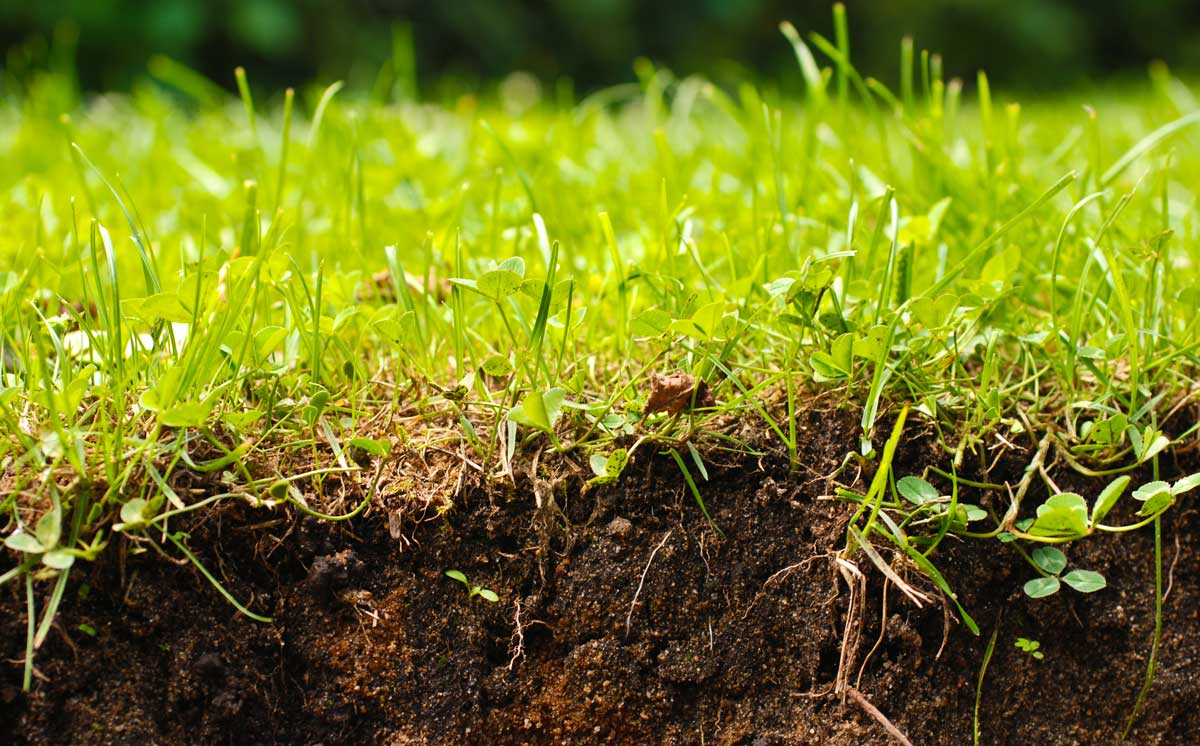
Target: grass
column 258, row 294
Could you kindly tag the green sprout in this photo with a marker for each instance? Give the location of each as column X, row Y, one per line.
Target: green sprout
column 1030, row 647
column 473, row 590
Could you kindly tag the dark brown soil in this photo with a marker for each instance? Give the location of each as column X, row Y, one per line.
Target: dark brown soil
column 373, row 644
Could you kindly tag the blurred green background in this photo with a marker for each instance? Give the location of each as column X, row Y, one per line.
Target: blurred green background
column 1024, row 44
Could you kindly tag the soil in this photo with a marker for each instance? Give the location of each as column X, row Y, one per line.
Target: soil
column 624, row 618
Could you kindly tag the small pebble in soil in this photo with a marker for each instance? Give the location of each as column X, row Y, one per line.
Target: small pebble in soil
column 620, row 528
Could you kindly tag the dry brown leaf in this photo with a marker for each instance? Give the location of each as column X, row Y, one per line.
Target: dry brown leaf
column 677, row 392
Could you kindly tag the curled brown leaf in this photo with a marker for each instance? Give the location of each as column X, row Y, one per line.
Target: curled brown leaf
column 676, row 392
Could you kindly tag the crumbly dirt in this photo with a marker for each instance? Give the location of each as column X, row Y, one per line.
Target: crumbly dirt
column 731, row 639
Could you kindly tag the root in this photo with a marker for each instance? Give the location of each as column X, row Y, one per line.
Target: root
column 642, row 582
column 1175, row 559
column 517, row 643
column 883, row 620
column 518, row 646
column 878, row 716
column 779, row 575
column 947, row 619
column 852, row 631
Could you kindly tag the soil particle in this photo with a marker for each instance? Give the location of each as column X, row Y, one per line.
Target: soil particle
column 211, row 667
column 331, row 574
column 690, row 662
column 620, row 528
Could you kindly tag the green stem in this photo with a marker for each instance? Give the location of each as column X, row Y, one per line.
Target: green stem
column 987, row 658
column 31, row 610
column 215, row 583
column 1152, row 664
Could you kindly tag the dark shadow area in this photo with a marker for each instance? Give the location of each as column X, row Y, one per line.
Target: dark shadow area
column 1024, row 44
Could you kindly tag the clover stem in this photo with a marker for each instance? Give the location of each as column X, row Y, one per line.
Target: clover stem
column 1130, row 527
column 1158, row 604
column 512, row 335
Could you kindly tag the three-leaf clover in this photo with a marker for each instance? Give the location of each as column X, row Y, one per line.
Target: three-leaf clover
column 497, row 283
column 1156, row 497
column 1062, row 515
column 1052, row 562
column 44, row 540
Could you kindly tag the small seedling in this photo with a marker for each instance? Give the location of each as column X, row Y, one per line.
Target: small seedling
column 1052, row 562
column 1031, row 647
column 473, row 590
